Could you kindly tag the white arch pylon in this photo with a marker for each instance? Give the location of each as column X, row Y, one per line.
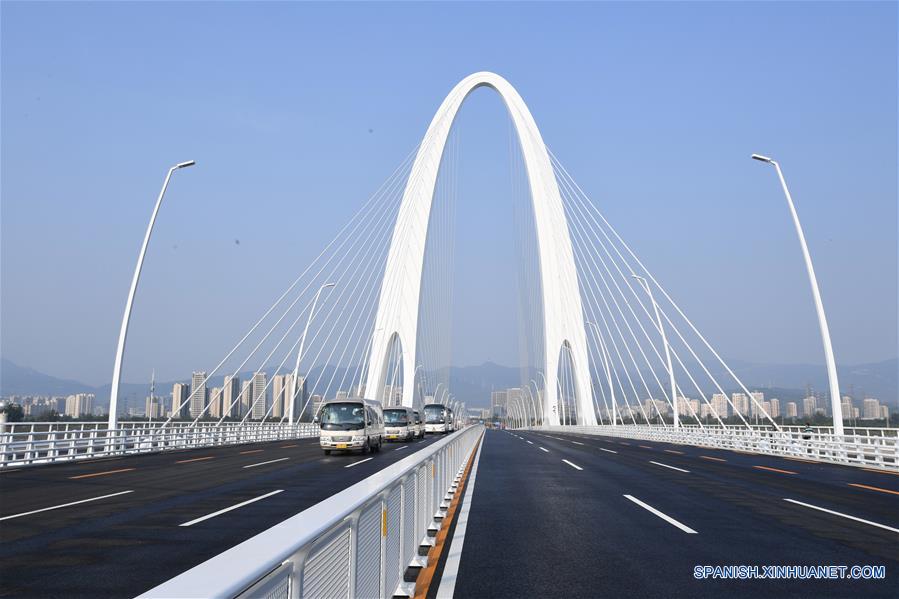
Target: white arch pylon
column 401, row 288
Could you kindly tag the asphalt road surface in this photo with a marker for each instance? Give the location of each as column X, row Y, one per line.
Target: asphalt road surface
column 565, row 515
column 121, row 526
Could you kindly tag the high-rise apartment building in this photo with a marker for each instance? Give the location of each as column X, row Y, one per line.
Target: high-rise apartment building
column 791, row 410
column 80, row 404
column 231, row 397
column 870, row 409
column 774, row 408
column 198, row 394
column 809, row 406
column 246, row 397
column 756, row 403
column 154, row 406
column 719, row 404
column 215, row 403
column 741, row 403
column 280, row 393
column 260, row 399
column 180, row 392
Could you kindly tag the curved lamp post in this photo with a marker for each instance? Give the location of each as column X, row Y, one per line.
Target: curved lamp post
column 296, row 368
column 605, row 359
column 655, row 308
column 126, row 318
column 537, row 399
column 835, row 406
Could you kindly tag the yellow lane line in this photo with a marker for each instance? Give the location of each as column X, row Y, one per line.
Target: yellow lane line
column 251, row 451
column 874, row 488
column 708, row 457
column 774, row 469
column 209, row 457
column 101, row 473
column 673, row 451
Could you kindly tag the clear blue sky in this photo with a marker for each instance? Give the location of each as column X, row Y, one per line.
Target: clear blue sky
column 654, row 108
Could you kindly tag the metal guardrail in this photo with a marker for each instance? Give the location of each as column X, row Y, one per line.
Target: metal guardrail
column 357, row 543
column 870, row 451
column 44, row 443
column 862, row 431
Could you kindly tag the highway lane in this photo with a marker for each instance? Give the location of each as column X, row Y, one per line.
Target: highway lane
column 868, row 493
column 160, row 514
column 568, row 515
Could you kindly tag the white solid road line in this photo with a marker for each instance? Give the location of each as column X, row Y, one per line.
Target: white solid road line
column 356, row 463
column 451, row 569
column 56, row 507
column 667, row 466
column 545, row 449
column 268, row 462
column 607, row 450
column 233, row 507
column 575, row 466
column 821, row 509
column 661, row 515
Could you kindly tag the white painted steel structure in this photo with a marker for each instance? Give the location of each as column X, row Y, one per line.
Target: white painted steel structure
column 33, row 443
column 836, row 405
column 357, row 543
column 126, row 317
column 401, row 288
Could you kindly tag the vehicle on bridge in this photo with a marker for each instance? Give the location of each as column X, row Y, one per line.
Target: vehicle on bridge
column 419, row 424
column 438, row 419
column 351, row 424
column 402, row 424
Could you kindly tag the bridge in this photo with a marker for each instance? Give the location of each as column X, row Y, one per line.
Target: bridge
column 633, row 461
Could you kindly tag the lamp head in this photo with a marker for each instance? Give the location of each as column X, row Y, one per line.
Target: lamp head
column 185, row 164
column 761, row 158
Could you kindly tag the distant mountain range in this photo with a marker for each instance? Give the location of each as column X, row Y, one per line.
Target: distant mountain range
column 474, row 383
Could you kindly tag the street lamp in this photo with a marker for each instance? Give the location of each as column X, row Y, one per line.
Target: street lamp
column 296, row 368
column 655, row 307
column 835, row 405
column 605, row 359
column 123, row 332
column 546, row 390
column 538, row 400
column 415, row 382
column 532, row 402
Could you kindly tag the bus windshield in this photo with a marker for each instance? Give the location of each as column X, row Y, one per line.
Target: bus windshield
column 396, row 417
column 342, row 416
column 434, row 414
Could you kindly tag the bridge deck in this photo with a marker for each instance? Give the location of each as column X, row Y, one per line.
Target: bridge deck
column 125, row 544
column 539, row 526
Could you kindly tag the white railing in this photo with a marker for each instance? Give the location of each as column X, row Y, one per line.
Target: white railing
column 32, row 443
column 868, row 450
column 357, row 543
column 862, row 431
